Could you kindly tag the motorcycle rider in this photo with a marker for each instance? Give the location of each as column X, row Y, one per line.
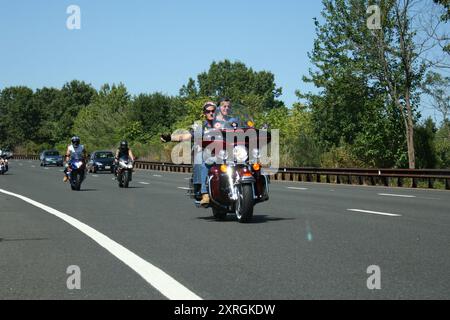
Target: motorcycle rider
column 200, row 171
column 75, row 151
column 122, row 152
column 4, row 160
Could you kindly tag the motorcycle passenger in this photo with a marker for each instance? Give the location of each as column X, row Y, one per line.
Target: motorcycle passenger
column 122, row 152
column 200, row 172
column 75, row 151
column 223, row 114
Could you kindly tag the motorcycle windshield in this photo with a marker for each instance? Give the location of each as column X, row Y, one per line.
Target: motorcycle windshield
column 232, row 117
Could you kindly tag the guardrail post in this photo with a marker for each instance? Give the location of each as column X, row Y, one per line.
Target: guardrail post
column 400, row 182
column 447, row 184
column 338, row 179
column 386, row 181
column 360, row 180
column 414, row 183
column 328, row 178
column 318, row 178
column 430, row 183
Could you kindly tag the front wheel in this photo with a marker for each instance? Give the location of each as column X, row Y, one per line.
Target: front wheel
column 119, row 179
column 126, row 179
column 245, row 203
column 75, row 181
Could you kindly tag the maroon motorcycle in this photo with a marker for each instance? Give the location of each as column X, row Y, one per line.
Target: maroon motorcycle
column 235, row 180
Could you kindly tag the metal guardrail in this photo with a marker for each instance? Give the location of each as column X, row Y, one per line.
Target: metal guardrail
column 25, row 157
column 412, row 178
column 384, row 177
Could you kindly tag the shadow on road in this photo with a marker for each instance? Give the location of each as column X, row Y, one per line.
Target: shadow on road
column 256, row 219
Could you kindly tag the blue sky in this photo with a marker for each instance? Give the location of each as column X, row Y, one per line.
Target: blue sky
column 154, row 45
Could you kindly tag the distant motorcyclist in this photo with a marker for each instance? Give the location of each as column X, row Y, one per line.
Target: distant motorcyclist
column 75, row 151
column 124, row 151
column 4, row 161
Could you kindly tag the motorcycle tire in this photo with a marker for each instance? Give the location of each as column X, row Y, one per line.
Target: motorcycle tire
column 119, row 180
column 126, row 179
column 245, row 203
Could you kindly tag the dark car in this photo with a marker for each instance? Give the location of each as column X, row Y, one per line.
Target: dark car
column 51, row 157
column 101, row 161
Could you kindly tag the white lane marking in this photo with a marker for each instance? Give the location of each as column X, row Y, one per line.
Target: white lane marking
column 396, row 195
column 45, row 168
column 95, row 176
column 33, row 166
column 375, row 212
column 183, row 188
column 144, row 183
column 294, row 188
column 61, row 170
column 157, row 175
column 187, row 178
column 157, row 278
column 20, row 164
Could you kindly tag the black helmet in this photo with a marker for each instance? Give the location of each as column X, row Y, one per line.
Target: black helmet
column 123, row 145
column 76, row 141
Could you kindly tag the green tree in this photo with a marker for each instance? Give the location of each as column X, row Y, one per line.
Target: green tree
column 20, row 118
column 425, row 145
column 236, row 81
column 438, row 88
column 364, row 74
column 100, row 124
column 156, row 113
column 442, row 145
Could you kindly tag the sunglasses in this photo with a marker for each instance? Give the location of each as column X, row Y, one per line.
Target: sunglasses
column 209, row 111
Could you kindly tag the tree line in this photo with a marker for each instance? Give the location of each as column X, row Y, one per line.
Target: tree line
column 370, row 84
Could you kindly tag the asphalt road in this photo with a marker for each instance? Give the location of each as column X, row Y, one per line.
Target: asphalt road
column 304, row 243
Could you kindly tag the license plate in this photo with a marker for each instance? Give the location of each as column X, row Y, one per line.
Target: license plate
column 107, row 167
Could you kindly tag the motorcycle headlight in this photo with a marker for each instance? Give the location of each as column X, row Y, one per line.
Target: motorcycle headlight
column 78, row 164
column 240, row 153
column 223, row 155
column 256, row 154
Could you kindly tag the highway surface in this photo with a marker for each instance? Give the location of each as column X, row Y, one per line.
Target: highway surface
column 309, row 241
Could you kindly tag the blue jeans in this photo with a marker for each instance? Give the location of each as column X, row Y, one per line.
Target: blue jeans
column 200, row 176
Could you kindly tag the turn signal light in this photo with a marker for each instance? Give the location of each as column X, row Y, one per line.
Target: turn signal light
column 223, row 168
column 256, row 166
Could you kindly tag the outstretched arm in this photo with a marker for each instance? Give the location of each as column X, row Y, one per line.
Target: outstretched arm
column 67, row 156
column 130, row 155
column 177, row 136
